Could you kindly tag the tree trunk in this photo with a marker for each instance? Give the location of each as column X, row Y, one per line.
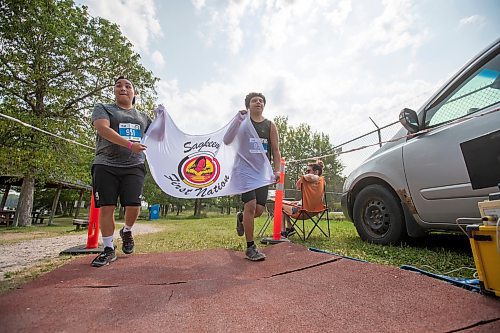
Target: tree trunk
column 25, row 203
column 54, row 205
column 197, row 207
column 79, row 203
column 65, row 208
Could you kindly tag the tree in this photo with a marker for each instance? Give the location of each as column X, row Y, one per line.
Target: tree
column 56, row 63
column 301, row 143
column 197, row 207
column 226, row 203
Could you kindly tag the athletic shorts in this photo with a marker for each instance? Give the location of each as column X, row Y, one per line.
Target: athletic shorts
column 109, row 183
column 259, row 194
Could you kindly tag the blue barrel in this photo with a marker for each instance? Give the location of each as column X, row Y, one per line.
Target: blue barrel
column 154, row 212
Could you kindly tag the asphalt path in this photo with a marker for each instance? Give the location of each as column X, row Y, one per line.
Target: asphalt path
column 293, row 290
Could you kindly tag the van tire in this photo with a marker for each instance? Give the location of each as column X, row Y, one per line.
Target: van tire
column 378, row 216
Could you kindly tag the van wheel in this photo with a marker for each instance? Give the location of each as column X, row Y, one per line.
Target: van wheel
column 378, row 216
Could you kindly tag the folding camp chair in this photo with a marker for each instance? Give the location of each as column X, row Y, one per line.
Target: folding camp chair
column 313, row 208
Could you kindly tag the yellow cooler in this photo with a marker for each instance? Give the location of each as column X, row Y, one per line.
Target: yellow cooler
column 483, row 240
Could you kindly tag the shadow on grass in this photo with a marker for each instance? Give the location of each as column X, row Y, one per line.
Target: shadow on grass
column 456, row 242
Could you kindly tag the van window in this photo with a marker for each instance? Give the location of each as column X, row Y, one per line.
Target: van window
column 479, row 91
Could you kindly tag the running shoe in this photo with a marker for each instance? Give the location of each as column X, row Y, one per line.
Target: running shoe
column 253, row 253
column 105, row 257
column 290, row 231
column 127, row 241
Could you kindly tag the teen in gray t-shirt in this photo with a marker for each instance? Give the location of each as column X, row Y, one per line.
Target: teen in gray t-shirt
column 118, row 171
column 130, row 124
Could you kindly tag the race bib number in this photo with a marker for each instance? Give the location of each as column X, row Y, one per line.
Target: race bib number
column 258, row 145
column 131, row 132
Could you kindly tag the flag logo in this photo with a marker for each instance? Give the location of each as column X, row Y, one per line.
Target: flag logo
column 199, row 170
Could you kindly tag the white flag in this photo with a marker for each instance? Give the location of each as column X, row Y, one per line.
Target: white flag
column 229, row 161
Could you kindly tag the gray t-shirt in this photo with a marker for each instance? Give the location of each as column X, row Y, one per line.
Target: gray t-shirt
column 130, row 124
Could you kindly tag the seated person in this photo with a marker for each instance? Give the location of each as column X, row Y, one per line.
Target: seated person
column 313, row 175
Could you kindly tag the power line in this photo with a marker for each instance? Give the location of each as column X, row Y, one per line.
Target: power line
column 44, row 131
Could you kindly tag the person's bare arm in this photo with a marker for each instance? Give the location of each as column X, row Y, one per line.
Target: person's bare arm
column 298, row 184
column 311, row 178
column 103, row 129
column 233, row 128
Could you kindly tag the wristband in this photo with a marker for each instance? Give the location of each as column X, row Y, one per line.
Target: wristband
column 130, row 143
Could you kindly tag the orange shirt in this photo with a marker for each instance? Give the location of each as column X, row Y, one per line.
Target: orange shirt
column 312, row 194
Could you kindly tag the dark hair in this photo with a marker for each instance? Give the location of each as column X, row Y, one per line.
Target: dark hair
column 252, row 95
column 121, row 77
column 317, row 166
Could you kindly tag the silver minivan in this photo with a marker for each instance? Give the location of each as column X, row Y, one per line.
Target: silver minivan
column 446, row 160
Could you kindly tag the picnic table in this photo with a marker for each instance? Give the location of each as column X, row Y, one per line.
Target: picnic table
column 7, row 217
column 37, row 218
column 80, row 223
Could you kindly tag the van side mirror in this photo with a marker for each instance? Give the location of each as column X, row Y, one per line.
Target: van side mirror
column 408, row 118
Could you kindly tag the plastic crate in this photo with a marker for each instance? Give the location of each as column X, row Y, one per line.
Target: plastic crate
column 486, row 256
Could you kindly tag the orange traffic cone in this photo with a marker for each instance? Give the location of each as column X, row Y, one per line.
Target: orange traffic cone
column 93, row 232
column 278, row 204
column 92, row 235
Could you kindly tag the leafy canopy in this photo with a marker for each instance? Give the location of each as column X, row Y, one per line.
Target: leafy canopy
column 56, row 63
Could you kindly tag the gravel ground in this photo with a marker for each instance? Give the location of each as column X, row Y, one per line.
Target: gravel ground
column 25, row 254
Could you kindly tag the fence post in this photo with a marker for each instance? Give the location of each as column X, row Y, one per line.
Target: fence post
column 378, row 132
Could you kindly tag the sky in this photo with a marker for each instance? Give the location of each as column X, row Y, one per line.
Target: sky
column 330, row 64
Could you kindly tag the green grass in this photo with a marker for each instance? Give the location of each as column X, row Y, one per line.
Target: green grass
column 16, row 279
column 62, row 226
column 446, row 254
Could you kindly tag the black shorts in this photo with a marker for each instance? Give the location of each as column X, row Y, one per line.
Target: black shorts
column 109, row 183
column 259, row 194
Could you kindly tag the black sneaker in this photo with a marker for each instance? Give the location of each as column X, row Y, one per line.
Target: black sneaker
column 253, row 253
column 127, row 241
column 290, row 231
column 239, row 224
column 105, row 257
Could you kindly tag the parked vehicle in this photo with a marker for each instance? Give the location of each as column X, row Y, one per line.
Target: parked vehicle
column 446, row 160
